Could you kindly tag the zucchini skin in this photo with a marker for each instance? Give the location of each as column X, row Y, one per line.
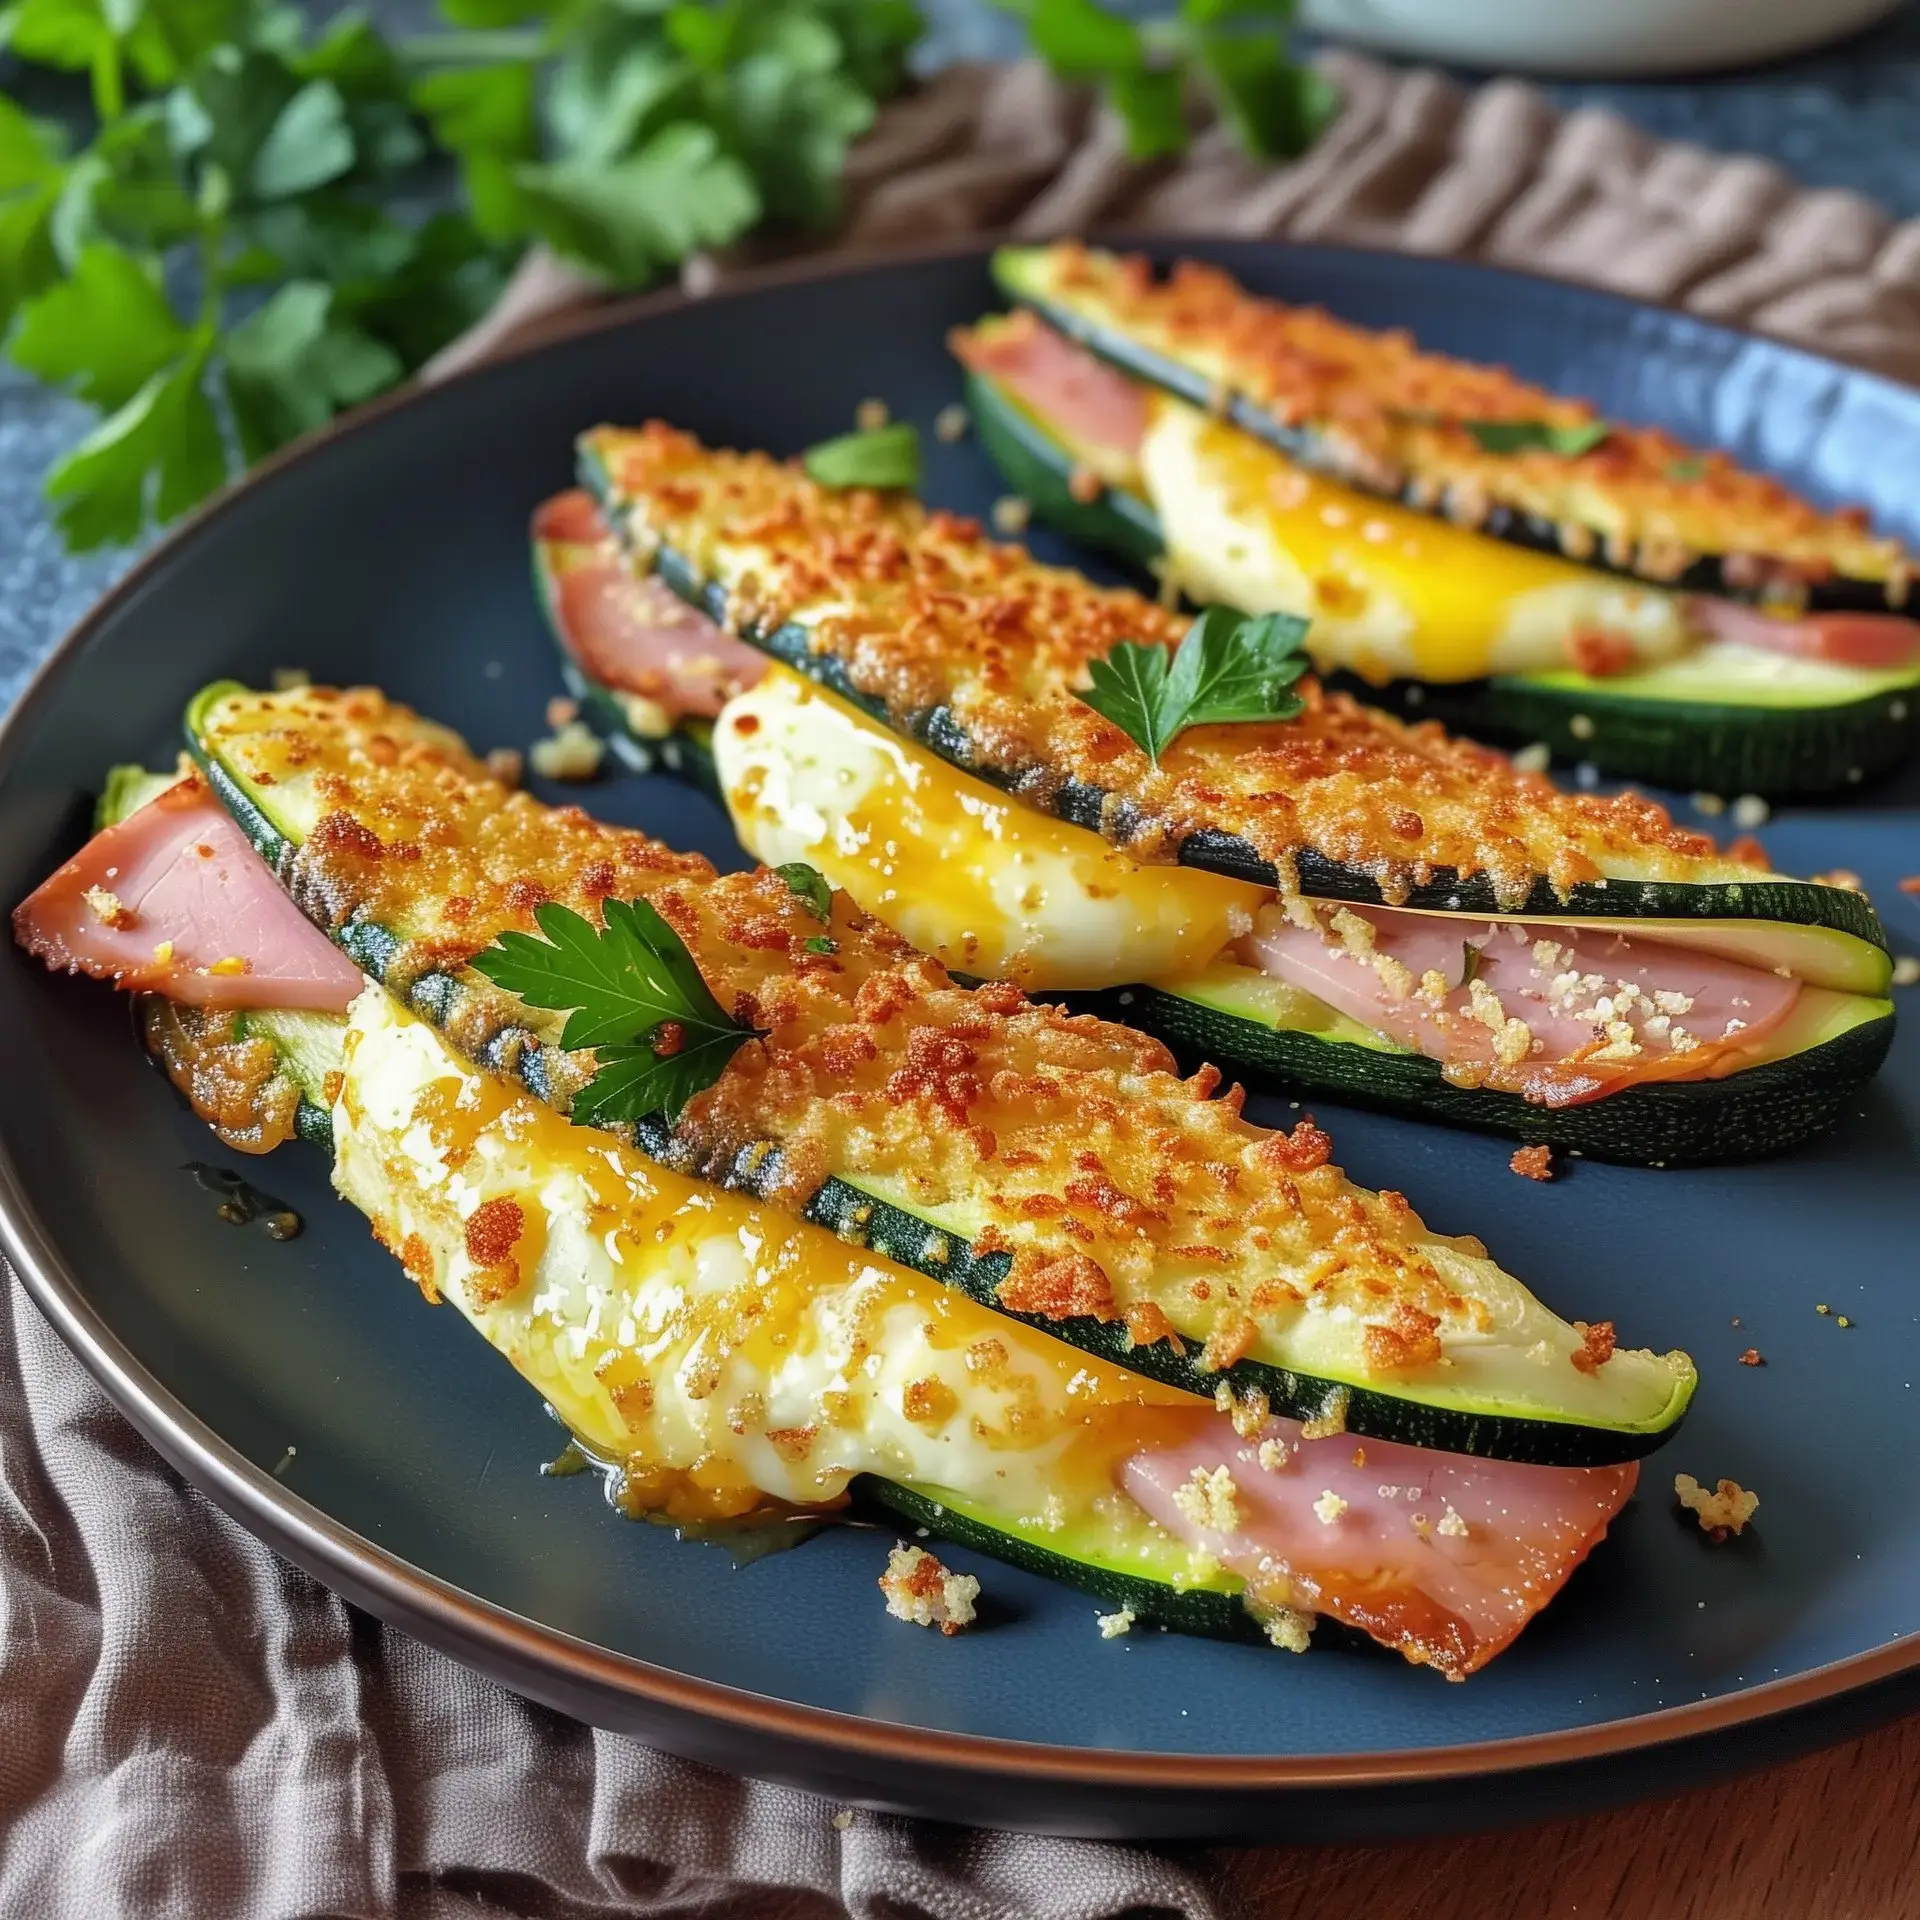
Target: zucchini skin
column 1707, row 574
column 1790, row 902
column 1786, row 753
column 865, row 1219
column 1749, row 1115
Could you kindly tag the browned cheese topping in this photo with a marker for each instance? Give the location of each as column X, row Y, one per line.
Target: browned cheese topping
column 232, row 1079
column 1119, row 1189
column 922, row 610
column 1390, row 417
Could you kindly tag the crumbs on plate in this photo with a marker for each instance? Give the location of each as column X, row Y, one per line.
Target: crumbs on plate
column 921, row 1591
column 1726, row 1510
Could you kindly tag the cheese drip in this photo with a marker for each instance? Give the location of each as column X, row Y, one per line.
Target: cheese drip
column 726, row 1355
column 990, row 884
column 1391, row 593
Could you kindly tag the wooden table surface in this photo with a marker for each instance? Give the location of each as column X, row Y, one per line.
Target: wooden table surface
column 1832, row 1837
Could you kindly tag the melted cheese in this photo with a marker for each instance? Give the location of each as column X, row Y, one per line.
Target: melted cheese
column 990, row 884
column 727, row 1355
column 1391, row 593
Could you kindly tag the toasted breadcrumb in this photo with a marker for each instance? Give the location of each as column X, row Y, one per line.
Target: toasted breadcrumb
column 289, row 679
column 1906, row 970
column 842, row 1818
column 1452, row 1525
column 506, row 764
column 921, row 1591
column 1596, row 1345
column 1011, row 514
column 871, row 415
column 1725, row 1510
column 950, row 423
column 163, row 954
column 1911, row 884
column 1753, row 1357
column 1273, row 1455
column 573, row 753
column 1209, row 1500
column 1329, row 1507
column 1113, row 1625
column 562, row 712
column 108, row 908
column 1290, row 1630
column 1534, row 758
column 1533, row 1163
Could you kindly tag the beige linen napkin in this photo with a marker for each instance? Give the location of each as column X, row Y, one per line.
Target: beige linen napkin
column 1413, row 161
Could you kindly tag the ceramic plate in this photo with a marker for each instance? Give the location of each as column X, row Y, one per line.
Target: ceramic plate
column 395, row 551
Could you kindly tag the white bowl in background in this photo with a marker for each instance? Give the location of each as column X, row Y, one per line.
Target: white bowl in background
column 1593, row 39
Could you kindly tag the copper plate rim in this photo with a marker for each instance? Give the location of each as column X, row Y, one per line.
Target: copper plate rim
column 324, row 1545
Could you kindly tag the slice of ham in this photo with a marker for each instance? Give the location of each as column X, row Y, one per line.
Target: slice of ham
column 1440, row 1555
column 1877, row 641
column 173, row 900
column 631, row 632
column 1688, row 1015
column 1088, row 401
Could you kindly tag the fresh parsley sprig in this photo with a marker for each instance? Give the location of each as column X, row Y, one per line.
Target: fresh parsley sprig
column 885, row 458
column 1538, row 436
column 1234, row 52
column 1228, row 667
column 631, row 992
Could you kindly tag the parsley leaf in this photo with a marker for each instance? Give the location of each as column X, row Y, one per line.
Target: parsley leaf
column 107, row 329
column 809, row 886
column 1228, row 668
column 1537, row 436
column 882, row 457
column 634, row 217
column 821, row 943
column 631, row 991
column 293, row 362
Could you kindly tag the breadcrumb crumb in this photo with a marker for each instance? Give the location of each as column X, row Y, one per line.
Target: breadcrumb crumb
column 1011, row 514
column 1113, row 1625
column 921, row 1591
column 1753, row 1357
column 950, row 423
column 1209, row 1500
column 108, row 908
column 871, row 415
column 1452, row 1525
column 1725, row 1510
column 1533, row 1163
column 573, row 753
column 1906, row 970
column 1289, row 1629
column 1329, row 1507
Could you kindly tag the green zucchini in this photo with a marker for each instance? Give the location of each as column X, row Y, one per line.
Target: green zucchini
column 1670, row 726
column 1834, row 1043
column 1587, row 1419
column 1024, row 276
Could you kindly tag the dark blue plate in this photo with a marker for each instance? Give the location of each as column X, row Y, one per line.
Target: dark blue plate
column 394, row 551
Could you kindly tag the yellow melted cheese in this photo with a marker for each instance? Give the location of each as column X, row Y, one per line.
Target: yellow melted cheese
column 989, row 883
column 1391, row 593
column 726, row 1355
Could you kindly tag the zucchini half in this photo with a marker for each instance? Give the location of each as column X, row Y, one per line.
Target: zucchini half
column 1671, row 725
column 1830, row 937
column 1202, row 374
column 1497, row 1400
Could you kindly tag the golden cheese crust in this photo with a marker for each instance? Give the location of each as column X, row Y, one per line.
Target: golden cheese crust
column 922, row 610
column 1119, row 1189
column 1389, row 414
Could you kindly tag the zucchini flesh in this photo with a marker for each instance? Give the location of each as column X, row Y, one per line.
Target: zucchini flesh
column 1633, row 891
column 1831, row 1045
column 1494, row 1398
column 1024, row 275
column 1672, row 725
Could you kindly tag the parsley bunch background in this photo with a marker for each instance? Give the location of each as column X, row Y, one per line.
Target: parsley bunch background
column 255, row 230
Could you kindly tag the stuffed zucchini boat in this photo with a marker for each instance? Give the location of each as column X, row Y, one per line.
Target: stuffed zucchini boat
column 1337, row 898
column 722, row 1356
column 1464, row 543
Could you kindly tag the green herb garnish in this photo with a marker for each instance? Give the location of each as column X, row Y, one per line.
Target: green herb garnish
column 632, row 993
column 820, row 943
column 884, row 458
column 1537, row 436
column 1233, row 51
column 809, row 886
column 1687, row 470
column 1229, row 667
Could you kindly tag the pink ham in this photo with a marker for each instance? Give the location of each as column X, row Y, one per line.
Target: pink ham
column 1877, row 641
column 173, row 900
column 1061, row 382
column 633, row 632
column 1692, row 1015
column 1439, row 1555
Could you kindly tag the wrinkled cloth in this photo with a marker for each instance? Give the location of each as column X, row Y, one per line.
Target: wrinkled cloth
column 190, row 1729
column 1412, row 161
